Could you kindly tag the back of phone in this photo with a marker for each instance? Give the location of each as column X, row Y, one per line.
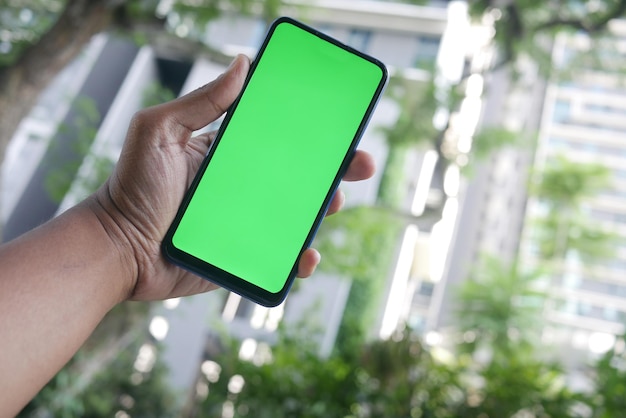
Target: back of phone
column 263, row 189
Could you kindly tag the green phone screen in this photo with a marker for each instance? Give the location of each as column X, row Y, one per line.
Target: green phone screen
column 280, row 153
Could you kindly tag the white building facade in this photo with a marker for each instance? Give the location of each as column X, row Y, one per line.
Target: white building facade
column 584, row 119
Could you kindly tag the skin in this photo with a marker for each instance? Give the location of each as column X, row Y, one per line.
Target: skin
column 58, row 281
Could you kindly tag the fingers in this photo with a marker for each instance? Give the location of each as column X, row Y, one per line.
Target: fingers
column 336, row 203
column 308, row 262
column 206, row 138
column 204, row 105
column 361, row 167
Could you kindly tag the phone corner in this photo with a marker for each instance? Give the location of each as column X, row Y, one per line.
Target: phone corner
column 166, row 248
column 283, row 19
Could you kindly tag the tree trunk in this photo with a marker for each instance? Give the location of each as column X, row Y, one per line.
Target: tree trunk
column 22, row 82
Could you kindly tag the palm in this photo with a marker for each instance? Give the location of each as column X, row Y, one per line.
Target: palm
column 150, row 197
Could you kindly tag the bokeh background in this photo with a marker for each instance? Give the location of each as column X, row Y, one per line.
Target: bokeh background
column 480, row 273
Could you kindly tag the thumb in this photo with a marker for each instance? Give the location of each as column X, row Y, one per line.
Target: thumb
column 204, row 105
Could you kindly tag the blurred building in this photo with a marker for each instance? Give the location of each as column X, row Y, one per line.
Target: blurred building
column 584, row 119
column 98, row 74
column 580, row 116
column 492, row 197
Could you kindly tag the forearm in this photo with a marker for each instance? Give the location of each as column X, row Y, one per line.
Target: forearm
column 69, row 275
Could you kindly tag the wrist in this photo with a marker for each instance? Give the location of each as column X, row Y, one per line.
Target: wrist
column 117, row 236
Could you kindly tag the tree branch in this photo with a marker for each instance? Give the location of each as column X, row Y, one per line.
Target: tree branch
column 22, row 82
column 590, row 25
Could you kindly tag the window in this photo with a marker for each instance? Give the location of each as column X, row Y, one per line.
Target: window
column 426, row 288
column 427, row 49
column 245, row 308
column 561, row 111
column 359, row 39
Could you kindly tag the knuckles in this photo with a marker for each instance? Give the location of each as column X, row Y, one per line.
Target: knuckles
column 154, row 124
column 145, row 120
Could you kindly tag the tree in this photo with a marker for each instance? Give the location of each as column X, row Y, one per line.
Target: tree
column 564, row 184
column 609, row 376
column 44, row 36
column 563, row 228
column 521, row 26
column 398, row 377
column 358, row 243
column 413, row 128
column 291, row 381
column 407, row 380
column 556, row 236
column 499, row 312
column 55, row 33
column 498, row 308
column 61, row 176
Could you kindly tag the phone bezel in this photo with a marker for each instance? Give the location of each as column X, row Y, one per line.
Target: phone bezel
column 220, row 276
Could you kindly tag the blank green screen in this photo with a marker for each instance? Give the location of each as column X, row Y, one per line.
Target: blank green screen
column 278, row 157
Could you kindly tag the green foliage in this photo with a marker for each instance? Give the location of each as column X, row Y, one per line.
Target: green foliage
column 391, row 191
column 564, row 183
column 271, row 9
column 23, row 23
column 417, row 102
column 521, row 383
column 140, row 9
column 388, row 378
column 359, row 243
column 81, row 133
column 490, row 139
column 609, row 397
column 602, row 54
column 188, row 18
column 406, row 381
column 416, row 2
column 156, row 94
column 561, row 186
column 499, row 316
column 296, row 382
column 83, row 130
column 208, row 10
column 116, row 387
column 499, row 307
column 575, row 232
column 351, row 241
column 138, row 394
column 525, row 27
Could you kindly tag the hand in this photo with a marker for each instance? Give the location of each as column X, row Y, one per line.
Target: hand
column 158, row 162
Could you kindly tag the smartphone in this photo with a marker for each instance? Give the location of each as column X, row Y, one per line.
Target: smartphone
column 278, row 157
